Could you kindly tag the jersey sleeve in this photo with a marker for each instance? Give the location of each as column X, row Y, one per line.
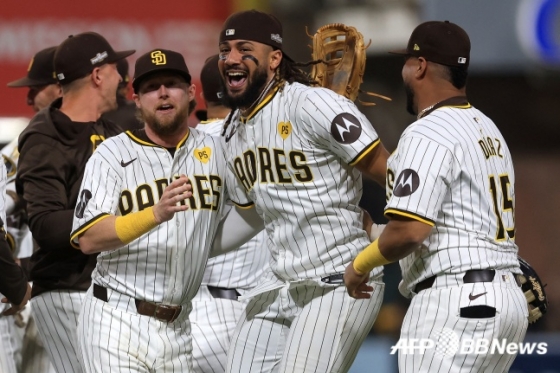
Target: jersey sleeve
column 422, row 171
column 99, row 193
column 334, row 122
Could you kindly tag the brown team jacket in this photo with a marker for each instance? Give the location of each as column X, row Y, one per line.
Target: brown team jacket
column 53, row 154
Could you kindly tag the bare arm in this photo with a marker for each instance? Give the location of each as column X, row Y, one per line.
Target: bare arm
column 374, row 164
column 103, row 235
column 400, row 238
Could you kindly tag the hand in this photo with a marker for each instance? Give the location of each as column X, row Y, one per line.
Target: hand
column 356, row 284
column 175, row 192
column 19, row 307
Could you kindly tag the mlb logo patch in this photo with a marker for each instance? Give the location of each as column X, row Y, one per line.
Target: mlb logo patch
column 230, row 31
column 462, row 60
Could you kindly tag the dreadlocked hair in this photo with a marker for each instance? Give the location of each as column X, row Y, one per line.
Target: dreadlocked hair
column 291, row 71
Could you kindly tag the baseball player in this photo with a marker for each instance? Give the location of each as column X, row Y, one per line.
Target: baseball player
column 28, row 350
column 152, row 226
column 216, row 309
column 297, row 153
column 451, row 211
column 53, row 151
column 13, row 283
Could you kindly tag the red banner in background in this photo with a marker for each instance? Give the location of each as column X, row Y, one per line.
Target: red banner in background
column 189, row 27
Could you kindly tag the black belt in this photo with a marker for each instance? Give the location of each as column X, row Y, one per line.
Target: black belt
column 223, row 293
column 159, row 311
column 471, row 276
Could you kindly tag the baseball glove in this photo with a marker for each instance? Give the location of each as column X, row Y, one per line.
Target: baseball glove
column 339, row 54
column 533, row 288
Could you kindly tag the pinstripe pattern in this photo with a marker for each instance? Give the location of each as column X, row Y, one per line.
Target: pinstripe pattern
column 454, row 193
column 465, row 180
column 214, row 320
column 285, row 158
column 303, row 328
column 56, row 315
column 35, row 358
column 114, row 338
column 10, row 344
column 315, row 225
column 21, row 348
column 509, row 324
column 163, row 266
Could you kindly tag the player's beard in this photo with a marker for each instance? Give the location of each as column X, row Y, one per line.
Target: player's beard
column 255, row 85
column 409, row 99
column 166, row 126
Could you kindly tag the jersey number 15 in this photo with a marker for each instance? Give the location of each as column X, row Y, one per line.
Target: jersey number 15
column 507, row 205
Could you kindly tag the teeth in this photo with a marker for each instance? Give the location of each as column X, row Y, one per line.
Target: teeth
column 236, row 73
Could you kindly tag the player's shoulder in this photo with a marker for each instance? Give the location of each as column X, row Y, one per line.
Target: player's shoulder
column 212, row 127
column 202, row 138
column 313, row 93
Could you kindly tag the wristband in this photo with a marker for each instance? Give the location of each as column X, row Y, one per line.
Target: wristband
column 132, row 226
column 369, row 258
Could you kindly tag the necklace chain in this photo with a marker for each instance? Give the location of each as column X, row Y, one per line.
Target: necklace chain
column 423, row 111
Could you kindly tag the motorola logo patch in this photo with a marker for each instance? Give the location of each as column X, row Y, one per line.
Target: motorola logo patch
column 346, row 128
column 407, row 183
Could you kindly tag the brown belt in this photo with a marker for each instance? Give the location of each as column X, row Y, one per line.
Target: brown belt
column 471, row 276
column 159, row 311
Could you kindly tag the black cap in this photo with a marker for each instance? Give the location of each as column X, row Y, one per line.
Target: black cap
column 159, row 60
column 122, row 68
column 211, row 80
column 255, row 26
column 78, row 55
column 441, row 42
column 40, row 71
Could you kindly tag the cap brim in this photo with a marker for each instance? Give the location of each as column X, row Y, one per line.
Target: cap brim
column 26, row 82
column 402, row 52
column 138, row 79
column 122, row 54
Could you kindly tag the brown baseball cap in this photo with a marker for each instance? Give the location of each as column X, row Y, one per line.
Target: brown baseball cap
column 211, row 80
column 255, row 26
column 40, row 71
column 442, row 42
column 159, row 60
column 79, row 54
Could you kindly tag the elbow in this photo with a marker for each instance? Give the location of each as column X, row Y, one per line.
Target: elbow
column 87, row 246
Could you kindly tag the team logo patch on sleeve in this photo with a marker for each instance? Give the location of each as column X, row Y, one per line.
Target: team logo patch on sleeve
column 85, row 196
column 346, row 128
column 203, row 154
column 407, row 183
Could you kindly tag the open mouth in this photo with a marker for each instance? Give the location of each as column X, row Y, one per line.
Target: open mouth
column 165, row 108
column 236, row 79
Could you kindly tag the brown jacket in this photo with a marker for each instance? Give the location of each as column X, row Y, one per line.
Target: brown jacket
column 53, row 154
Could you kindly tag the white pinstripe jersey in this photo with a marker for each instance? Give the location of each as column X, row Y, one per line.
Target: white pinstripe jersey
column 294, row 156
column 127, row 174
column 242, row 268
column 453, row 170
column 16, row 226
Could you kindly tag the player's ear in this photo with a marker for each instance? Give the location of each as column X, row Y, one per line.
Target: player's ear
column 421, row 67
column 275, row 58
column 136, row 99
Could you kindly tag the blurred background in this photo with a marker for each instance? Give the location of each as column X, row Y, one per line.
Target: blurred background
column 514, row 79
